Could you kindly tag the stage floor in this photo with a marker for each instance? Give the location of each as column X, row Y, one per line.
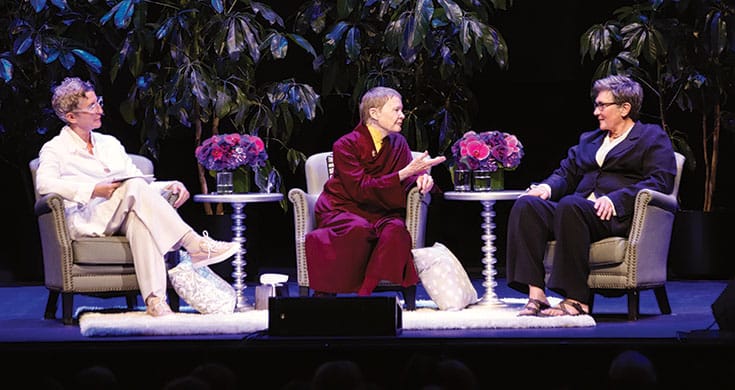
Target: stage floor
column 685, row 344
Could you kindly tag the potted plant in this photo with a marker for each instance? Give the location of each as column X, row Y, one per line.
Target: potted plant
column 426, row 49
column 682, row 53
column 196, row 64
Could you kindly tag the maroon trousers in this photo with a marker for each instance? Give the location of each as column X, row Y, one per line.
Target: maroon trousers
column 350, row 254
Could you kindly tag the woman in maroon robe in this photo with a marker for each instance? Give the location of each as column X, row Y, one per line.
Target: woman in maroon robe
column 361, row 236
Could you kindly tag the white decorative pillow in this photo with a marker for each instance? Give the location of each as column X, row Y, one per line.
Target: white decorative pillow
column 202, row 288
column 444, row 278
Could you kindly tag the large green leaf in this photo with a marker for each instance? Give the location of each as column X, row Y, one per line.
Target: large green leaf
column 60, row 4
column 278, row 45
column 124, row 13
column 217, row 5
column 23, row 42
column 352, row 44
column 38, row 5
column 46, row 49
column 306, row 45
column 235, row 41
column 6, row 69
column 424, row 12
column 92, row 61
column 67, row 60
column 267, row 13
column 250, row 39
column 334, row 37
column 453, row 11
column 407, row 47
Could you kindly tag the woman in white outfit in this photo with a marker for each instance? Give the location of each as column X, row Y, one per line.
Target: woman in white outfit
column 80, row 165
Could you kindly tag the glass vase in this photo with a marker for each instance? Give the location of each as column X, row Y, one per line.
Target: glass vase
column 462, row 180
column 484, row 180
column 224, row 182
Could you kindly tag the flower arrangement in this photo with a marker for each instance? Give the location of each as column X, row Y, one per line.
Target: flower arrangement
column 488, row 150
column 228, row 152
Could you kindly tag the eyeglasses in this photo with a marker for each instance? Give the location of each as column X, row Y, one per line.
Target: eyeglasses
column 92, row 108
column 601, row 105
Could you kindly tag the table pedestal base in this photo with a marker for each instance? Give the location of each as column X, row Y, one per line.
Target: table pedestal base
column 489, row 299
column 238, row 263
column 238, row 202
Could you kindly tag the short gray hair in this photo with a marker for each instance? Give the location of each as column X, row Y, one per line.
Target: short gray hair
column 375, row 97
column 66, row 95
column 624, row 90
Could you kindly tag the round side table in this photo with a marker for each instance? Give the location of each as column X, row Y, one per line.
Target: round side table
column 238, row 202
column 487, row 198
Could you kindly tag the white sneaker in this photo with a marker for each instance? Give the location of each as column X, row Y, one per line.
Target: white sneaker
column 212, row 251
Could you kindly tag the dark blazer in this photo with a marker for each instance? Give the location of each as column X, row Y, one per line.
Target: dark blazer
column 645, row 159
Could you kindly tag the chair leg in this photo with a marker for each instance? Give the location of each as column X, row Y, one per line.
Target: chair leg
column 131, row 300
column 633, row 304
column 662, row 299
column 51, row 305
column 303, row 291
column 409, row 297
column 173, row 300
column 67, row 304
column 592, row 302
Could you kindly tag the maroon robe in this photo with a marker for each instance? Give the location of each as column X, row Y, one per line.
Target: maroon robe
column 361, row 236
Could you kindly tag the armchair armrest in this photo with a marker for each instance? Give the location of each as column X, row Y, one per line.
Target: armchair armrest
column 55, row 240
column 650, row 235
column 417, row 209
column 658, row 199
column 47, row 203
column 304, row 222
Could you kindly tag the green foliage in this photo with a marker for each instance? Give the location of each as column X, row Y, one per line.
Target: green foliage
column 203, row 68
column 180, row 64
column 426, row 49
column 684, row 53
column 42, row 43
column 184, row 64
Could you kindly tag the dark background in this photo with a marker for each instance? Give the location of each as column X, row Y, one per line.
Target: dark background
column 543, row 98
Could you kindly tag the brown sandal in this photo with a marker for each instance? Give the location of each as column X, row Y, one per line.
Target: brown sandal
column 564, row 309
column 533, row 307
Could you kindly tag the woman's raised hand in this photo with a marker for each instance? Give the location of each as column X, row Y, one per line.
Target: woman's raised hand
column 420, row 165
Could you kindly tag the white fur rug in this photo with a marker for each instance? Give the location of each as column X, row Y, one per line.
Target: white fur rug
column 427, row 316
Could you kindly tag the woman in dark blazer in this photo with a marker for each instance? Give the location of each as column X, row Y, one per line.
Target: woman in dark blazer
column 590, row 196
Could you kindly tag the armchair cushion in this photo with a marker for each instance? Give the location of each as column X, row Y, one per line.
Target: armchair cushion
column 201, row 288
column 444, row 278
column 102, row 250
column 604, row 253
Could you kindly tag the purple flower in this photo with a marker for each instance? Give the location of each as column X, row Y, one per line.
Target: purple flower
column 489, row 150
column 227, row 152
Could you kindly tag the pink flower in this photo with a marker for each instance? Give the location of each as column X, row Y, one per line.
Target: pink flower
column 227, row 152
column 489, row 150
column 478, row 149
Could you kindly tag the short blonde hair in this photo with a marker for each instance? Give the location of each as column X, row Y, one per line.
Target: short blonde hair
column 66, row 95
column 375, row 97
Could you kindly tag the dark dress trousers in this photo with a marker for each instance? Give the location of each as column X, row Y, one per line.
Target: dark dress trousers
column 644, row 159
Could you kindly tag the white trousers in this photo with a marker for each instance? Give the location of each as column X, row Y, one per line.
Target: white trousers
column 153, row 228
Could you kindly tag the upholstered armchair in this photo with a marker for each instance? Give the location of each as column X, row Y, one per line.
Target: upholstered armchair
column 318, row 169
column 626, row 265
column 94, row 266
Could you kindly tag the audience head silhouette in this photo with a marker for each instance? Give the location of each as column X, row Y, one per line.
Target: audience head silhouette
column 338, row 375
column 632, row 370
